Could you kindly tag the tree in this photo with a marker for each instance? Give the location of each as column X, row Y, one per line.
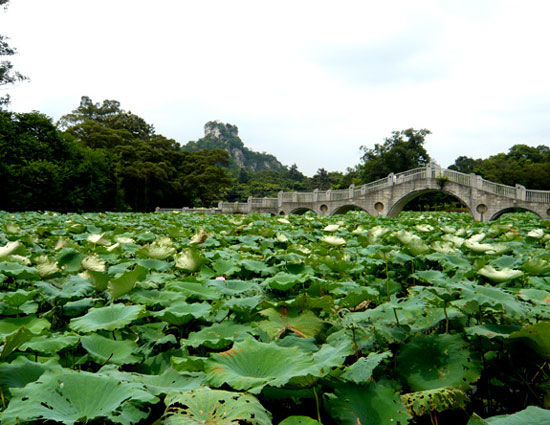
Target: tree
column 7, row 74
column 401, row 152
column 464, row 164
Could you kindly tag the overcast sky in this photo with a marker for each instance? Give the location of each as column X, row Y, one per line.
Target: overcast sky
column 308, row 81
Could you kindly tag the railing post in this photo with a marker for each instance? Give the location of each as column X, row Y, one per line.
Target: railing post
column 280, row 198
column 315, row 195
column 351, row 191
column 295, row 197
column 220, row 205
column 521, row 192
column 329, row 192
column 391, row 179
column 363, row 191
column 476, row 181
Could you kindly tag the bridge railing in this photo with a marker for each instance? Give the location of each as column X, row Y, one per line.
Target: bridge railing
column 429, row 172
column 498, row 189
column 457, row 177
column 537, row 196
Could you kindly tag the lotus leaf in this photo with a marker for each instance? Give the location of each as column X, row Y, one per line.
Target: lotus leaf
column 531, row 416
column 361, row 371
column 437, row 400
column 306, row 324
column 181, row 312
column 67, row 396
column 250, row 365
column 372, row 404
column 214, row 407
column 299, row 420
column 434, row 361
column 537, row 336
column 190, row 260
column 105, row 350
column 108, row 318
column 503, row 275
column 219, row 335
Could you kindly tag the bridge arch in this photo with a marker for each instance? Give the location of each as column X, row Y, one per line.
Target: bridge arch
column 398, row 206
column 301, row 210
column 345, row 208
column 496, row 215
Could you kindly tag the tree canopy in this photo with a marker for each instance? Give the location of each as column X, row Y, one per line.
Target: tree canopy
column 402, row 151
column 7, row 74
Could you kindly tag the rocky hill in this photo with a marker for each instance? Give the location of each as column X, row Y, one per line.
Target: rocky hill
column 219, row 135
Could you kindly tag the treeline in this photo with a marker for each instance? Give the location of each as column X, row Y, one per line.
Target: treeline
column 99, row 158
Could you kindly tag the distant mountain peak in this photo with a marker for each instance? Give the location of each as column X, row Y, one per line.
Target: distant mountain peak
column 219, row 135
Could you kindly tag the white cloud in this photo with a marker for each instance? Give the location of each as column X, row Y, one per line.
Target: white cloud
column 307, row 81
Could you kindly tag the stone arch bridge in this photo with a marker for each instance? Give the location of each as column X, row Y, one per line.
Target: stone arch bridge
column 386, row 197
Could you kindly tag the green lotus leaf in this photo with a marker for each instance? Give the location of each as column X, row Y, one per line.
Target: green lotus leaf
column 438, row 400
column 105, row 350
column 537, row 336
column 14, row 341
column 9, row 325
column 193, row 290
column 225, row 267
column 284, row 281
column 69, row 259
column 190, row 260
column 125, row 283
column 372, row 404
column 299, row 420
column 502, row 275
column 537, row 266
column 433, row 361
column 181, row 312
column 50, row 344
column 219, row 335
column 491, row 330
column 214, row 407
column 250, row 365
column 168, row 382
column 531, row 416
column 305, row 324
column 108, row 318
column 67, row 396
column 361, row 371
column 496, row 298
column 18, row 271
column 188, row 363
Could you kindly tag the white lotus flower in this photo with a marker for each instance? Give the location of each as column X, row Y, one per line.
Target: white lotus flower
column 331, row 228
column 283, row 221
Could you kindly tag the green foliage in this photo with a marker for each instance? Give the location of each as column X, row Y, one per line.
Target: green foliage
column 525, row 165
column 386, row 328
column 214, row 407
column 395, row 155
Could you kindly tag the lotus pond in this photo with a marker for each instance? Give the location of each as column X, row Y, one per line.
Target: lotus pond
column 192, row 319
